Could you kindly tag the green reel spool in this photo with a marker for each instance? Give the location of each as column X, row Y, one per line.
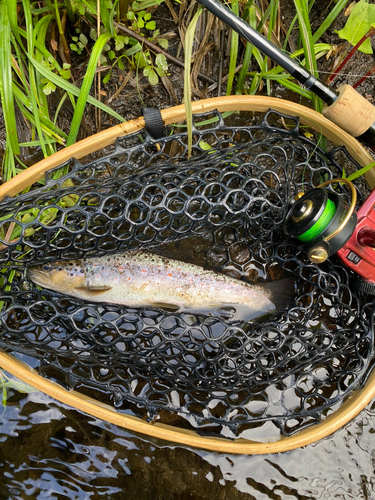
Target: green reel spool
column 320, row 225
column 320, row 222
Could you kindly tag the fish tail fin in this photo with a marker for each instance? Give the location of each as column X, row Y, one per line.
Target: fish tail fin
column 281, row 292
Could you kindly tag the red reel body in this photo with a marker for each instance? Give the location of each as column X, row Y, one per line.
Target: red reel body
column 358, row 253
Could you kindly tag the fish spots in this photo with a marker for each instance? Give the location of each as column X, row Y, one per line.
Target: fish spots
column 129, row 279
column 144, row 271
column 169, row 274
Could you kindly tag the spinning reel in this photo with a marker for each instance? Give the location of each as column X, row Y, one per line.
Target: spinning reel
column 321, row 224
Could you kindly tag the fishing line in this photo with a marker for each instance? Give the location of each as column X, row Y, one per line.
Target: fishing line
column 321, row 224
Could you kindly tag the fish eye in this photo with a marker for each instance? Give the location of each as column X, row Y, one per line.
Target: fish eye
column 46, row 268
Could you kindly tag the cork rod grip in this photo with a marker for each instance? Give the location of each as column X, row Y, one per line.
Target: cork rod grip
column 351, row 111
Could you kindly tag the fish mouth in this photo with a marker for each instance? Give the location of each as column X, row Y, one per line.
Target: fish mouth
column 37, row 275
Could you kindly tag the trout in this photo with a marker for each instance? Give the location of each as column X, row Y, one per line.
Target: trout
column 140, row 279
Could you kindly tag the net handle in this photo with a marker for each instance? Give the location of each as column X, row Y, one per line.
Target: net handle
column 350, row 409
column 171, row 115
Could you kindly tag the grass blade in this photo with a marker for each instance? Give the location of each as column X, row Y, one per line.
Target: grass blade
column 307, row 43
column 329, row 19
column 86, row 86
column 106, row 18
column 72, row 89
column 360, row 172
column 189, row 39
column 6, row 78
column 35, row 101
column 251, row 19
column 233, row 50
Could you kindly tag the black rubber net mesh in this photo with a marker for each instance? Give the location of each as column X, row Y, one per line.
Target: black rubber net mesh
column 222, row 208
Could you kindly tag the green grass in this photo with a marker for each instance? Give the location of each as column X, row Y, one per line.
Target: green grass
column 30, row 70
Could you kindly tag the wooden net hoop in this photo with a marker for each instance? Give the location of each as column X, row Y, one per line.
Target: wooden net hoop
column 354, row 404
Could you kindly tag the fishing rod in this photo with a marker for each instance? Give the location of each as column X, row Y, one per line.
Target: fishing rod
column 319, row 222
column 344, row 106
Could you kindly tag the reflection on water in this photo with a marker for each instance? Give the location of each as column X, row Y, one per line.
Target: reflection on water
column 49, row 450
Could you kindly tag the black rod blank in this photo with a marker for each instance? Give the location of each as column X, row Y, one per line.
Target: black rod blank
column 300, row 73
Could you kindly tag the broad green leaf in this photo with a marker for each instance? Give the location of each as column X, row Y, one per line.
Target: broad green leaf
column 163, row 42
column 93, row 34
column 152, row 77
column 107, row 78
column 120, row 41
column 161, row 62
column 83, row 39
column 48, row 88
column 361, row 19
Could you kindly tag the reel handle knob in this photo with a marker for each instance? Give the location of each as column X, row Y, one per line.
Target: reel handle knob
column 318, row 254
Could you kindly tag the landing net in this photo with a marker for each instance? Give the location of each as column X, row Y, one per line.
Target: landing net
column 222, row 208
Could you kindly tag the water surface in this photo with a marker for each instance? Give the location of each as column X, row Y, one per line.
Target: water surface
column 50, row 451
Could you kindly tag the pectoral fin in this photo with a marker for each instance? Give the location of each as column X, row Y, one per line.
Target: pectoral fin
column 166, row 306
column 96, row 289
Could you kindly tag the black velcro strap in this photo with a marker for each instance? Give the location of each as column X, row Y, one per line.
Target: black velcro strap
column 154, row 122
column 365, row 287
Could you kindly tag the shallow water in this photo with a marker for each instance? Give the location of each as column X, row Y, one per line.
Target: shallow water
column 49, row 450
